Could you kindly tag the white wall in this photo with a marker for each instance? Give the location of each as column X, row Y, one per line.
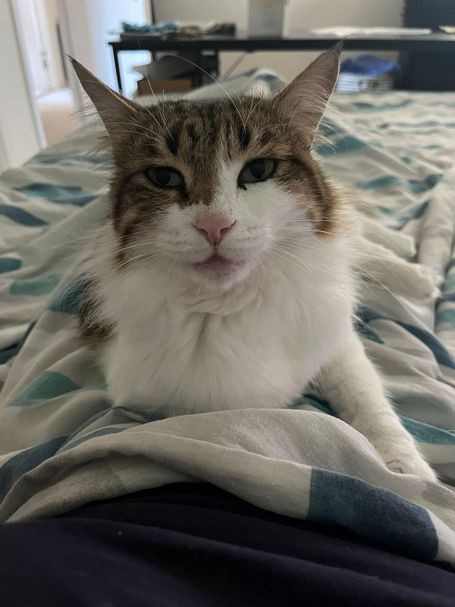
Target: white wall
column 19, row 136
column 31, row 37
column 49, row 19
column 89, row 26
column 301, row 15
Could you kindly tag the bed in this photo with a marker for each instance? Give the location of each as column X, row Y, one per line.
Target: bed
column 64, row 446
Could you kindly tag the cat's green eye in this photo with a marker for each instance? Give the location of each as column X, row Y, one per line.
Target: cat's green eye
column 257, row 170
column 165, row 177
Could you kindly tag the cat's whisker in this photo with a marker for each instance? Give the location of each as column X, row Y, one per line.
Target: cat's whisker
column 269, row 129
column 139, row 130
column 315, row 231
column 283, row 254
column 217, row 83
column 252, row 108
column 287, row 279
column 163, row 123
column 302, row 264
column 363, row 273
column 159, row 109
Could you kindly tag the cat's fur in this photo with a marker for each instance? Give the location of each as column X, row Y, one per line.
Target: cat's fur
column 177, row 337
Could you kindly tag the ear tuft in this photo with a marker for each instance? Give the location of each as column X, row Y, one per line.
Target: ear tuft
column 306, row 97
column 112, row 107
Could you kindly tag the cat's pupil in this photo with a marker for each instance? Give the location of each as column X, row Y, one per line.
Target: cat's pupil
column 163, row 176
column 257, row 169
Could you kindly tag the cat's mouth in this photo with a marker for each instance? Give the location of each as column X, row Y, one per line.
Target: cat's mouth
column 219, row 264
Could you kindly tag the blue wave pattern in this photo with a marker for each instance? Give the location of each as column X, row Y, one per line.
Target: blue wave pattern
column 70, row 194
column 21, row 216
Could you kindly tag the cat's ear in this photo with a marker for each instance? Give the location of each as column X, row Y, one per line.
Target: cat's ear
column 114, row 110
column 305, row 98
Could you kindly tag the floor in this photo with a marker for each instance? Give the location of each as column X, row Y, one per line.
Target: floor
column 57, row 111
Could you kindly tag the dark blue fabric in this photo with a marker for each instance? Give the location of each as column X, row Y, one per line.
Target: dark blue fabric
column 194, row 545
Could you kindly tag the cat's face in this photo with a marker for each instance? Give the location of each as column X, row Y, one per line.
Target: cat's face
column 210, row 189
column 210, row 193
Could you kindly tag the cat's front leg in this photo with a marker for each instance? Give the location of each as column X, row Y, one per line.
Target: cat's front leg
column 353, row 387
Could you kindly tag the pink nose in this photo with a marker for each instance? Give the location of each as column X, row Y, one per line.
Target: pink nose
column 213, row 226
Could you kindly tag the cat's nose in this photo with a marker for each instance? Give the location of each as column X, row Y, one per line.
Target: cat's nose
column 213, row 226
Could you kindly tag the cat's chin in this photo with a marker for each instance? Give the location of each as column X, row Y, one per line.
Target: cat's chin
column 219, row 265
column 220, row 271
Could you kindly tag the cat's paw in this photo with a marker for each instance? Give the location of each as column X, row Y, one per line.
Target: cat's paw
column 399, row 452
column 414, row 464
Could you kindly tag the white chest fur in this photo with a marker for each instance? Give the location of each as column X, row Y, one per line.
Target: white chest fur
column 257, row 345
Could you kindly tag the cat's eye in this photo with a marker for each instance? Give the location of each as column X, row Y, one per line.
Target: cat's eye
column 165, row 177
column 257, row 170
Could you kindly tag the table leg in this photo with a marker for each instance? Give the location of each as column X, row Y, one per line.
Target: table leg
column 117, row 70
column 217, row 64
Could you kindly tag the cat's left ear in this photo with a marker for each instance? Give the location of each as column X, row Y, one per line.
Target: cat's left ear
column 114, row 110
column 304, row 100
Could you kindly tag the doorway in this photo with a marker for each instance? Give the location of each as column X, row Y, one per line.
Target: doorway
column 38, row 26
column 48, row 30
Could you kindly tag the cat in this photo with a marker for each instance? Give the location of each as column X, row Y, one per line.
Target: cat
column 224, row 275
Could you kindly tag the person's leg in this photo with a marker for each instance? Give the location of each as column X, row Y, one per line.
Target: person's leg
column 196, row 545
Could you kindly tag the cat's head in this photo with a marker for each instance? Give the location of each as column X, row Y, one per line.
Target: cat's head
column 211, row 188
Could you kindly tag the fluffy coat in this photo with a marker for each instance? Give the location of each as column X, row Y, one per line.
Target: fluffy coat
column 188, row 322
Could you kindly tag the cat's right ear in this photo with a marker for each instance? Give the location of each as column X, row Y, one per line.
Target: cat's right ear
column 114, row 110
column 305, row 98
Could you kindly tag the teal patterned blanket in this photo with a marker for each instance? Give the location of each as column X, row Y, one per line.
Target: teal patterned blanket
column 63, row 444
